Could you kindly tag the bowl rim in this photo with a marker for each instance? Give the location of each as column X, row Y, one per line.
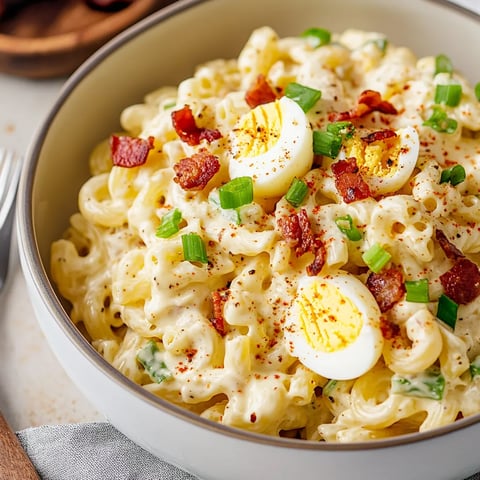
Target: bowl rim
column 33, row 267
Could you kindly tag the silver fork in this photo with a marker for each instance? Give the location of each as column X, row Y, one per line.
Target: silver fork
column 15, row 462
column 10, row 166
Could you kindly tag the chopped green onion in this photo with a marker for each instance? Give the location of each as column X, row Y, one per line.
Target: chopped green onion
column 427, row 384
column 453, row 175
column 448, row 94
column 380, row 43
column 345, row 129
column 233, row 215
column 317, row 37
column 477, row 91
column 297, row 192
column 306, row 97
column 326, row 143
column 169, row 105
column 170, row 224
column 440, row 122
column 417, row 291
column 443, row 64
column 151, row 359
column 193, row 248
column 329, row 387
column 475, row 367
column 346, row 226
column 376, row 257
column 236, row 192
column 447, row 310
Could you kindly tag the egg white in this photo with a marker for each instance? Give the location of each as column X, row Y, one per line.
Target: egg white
column 380, row 179
column 357, row 357
column 284, row 126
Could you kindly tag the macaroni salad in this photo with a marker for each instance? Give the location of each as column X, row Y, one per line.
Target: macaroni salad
column 288, row 242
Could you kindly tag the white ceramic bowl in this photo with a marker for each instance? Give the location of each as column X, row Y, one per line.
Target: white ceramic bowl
column 163, row 49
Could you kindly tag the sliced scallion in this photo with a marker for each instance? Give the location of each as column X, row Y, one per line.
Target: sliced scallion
column 233, row 215
column 329, row 387
column 346, row 226
column 440, row 122
column 169, row 105
column 326, row 143
column 447, row 310
column 450, row 94
column 305, row 96
column 427, row 384
column 296, row 192
column 443, row 64
column 169, row 224
column 193, row 248
column 317, row 37
column 475, row 367
column 345, row 128
column 381, row 44
column 376, row 257
column 453, row 175
column 417, row 291
column 151, row 359
column 236, row 192
column 477, row 91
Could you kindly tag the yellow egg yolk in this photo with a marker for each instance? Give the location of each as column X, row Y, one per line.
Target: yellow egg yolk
column 259, row 130
column 379, row 158
column 329, row 320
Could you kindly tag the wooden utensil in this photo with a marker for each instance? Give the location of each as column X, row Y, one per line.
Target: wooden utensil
column 14, row 463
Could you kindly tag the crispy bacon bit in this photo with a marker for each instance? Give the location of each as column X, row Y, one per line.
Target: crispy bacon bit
column 368, row 101
column 451, row 251
column 389, row 329
column 297, row 230
column 193, row 173
column 320, row 256
column 260, row 92
column 379, row 135
column 184, row 124
column 130, row 152
column 190, row 353
column 387, row 287
column 462, row 282
column 219, row 298
column 349, row 181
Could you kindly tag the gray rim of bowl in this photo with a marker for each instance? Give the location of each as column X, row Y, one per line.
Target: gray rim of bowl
column 27, row 244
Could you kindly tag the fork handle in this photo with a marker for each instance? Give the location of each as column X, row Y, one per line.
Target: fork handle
column 15, row 464
column 5, row 240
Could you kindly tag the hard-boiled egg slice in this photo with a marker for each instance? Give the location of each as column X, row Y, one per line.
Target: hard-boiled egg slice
column 385, row 164
column 272, row 143
column 333, row 326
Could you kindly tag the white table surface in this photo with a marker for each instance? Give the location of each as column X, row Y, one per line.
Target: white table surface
column 34, row 389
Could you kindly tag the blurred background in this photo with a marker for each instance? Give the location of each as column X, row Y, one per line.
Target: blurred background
column 46, row 38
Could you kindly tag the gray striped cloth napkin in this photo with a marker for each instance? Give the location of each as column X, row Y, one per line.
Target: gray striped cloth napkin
column 96, row 451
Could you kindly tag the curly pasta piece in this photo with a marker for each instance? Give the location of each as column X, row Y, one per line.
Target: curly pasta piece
column 425, row 345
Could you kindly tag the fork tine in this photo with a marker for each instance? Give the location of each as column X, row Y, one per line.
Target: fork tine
column 9, row 175
column 10, row 167
column 5, row 160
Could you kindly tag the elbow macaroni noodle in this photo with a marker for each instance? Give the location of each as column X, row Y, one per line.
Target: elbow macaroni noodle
column 127, row 286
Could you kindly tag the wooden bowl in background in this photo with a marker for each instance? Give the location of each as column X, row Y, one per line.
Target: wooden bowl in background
column 51, row 38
